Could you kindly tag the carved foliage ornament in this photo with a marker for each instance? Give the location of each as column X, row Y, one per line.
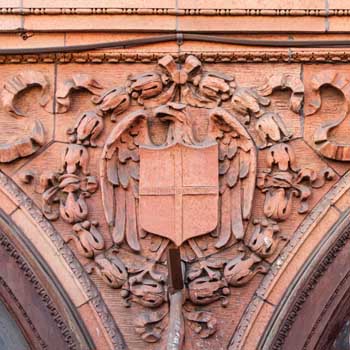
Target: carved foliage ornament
column 35, row 136
column 168, row 191
column 327, row 147
column 283, row 180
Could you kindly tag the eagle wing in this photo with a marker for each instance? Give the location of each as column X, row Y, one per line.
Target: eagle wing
column 119, row 174
column 237, row 174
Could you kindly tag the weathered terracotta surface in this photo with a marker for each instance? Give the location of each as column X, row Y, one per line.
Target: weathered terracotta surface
column 168, row 208
column 234, row 157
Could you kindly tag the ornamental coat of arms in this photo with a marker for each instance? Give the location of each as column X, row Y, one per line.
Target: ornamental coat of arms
column 178, row 175
column 171, row 188
column 197, row 178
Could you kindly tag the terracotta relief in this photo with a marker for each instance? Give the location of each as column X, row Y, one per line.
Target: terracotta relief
column 77, row 82
column 170, row 188
column 34, row 138
column 283, row 181
column 327, row 145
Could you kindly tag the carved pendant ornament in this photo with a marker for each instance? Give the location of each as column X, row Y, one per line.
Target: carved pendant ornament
column 187, row 188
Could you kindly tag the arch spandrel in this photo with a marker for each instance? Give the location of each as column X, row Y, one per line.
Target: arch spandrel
column 65, row 197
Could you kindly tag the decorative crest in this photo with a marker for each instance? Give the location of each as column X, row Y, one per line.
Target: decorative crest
column 179, row 171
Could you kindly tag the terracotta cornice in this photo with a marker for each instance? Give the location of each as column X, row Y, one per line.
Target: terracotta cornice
column 242, row 56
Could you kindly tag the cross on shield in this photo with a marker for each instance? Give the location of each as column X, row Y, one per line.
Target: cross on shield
column 179, row 190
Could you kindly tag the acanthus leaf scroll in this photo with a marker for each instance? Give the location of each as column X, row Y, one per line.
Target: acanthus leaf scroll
column 203, row 186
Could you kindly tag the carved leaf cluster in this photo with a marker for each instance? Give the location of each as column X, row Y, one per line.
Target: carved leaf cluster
column 283, row 181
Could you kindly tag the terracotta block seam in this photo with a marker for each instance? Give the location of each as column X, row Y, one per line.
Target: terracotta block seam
column 334, row 206
column 296, row 138
column 336, row 202
column 102, row 327
column 247, row 321
column 14, row 204
column 329, row 164
column 326, row 20
column 17, row 200
column 64, row 272
column 33, row 214
column 265, row 300
column 14, row 210
column 35, row 155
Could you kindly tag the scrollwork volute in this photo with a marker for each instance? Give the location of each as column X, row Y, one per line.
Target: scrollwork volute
column 328, row 146
column 34, row 138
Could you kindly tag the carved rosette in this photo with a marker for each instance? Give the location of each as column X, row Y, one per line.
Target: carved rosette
column 172, row 193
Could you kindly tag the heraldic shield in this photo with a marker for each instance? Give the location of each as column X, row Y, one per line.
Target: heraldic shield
column 179, row 167
column 179, row 190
